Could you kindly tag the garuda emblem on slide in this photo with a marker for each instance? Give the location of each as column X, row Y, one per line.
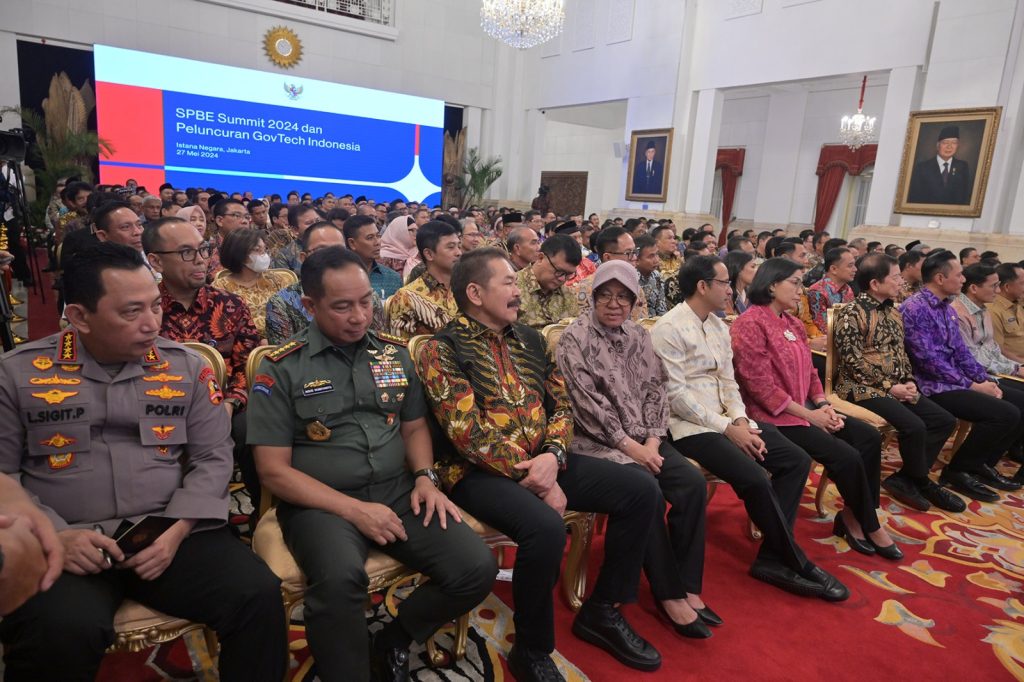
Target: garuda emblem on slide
column 293, row 90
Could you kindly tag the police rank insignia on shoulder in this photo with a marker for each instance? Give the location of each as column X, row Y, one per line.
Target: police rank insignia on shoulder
column 317, row 386
column 68, row 347
column 284, row 350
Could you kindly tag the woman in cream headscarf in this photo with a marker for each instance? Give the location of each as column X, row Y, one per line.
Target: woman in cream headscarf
column 398, row 245
column 195, row 216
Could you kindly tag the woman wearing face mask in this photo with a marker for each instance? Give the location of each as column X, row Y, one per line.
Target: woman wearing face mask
column 247, row 273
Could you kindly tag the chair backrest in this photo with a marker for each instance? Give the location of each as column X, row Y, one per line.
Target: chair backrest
column 552, row 334
column 289, row 276
column 416, row 345
column 831, row 363
column 213, row 358
column 221, row 274
column 252, row 363
column 649, row 322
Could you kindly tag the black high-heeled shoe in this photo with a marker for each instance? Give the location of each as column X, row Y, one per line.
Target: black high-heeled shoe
column 840, row 530
column 698, row 629
column 709, row 616
column 892, row 552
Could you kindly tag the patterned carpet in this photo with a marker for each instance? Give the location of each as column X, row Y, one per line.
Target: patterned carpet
column 952, row 609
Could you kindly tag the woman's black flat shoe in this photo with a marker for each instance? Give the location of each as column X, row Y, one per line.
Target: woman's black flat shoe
column 695, row 630
column 892, row 552
column 709, row 616
column 840, row 530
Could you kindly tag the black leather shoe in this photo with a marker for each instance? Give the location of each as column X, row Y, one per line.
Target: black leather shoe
column 785, row 578
column 697, row 629
column 942, row 498
column 989, row 476
column 906, row 492
column 388, row 665
column 892, row 552
column 840, row 530
column 832, row 589
column 709, row 616
column 528, row 665
column 968, row 484
column 603, row 625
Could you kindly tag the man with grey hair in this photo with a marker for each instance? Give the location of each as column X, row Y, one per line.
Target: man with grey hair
column 523, row 247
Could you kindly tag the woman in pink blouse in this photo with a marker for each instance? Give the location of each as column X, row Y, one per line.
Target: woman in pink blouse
column 620, row 413
column 779, row 385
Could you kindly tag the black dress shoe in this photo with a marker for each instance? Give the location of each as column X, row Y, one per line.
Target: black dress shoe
column 968, row 484
column 942, row 498
column 386, row 664
column 785, row 578
column 892, row 552
column 989, row 476
column 603, row 625
column 832, row 589
column 709, row 616
column 840, row 530
column 906, row 492
column 697, row 629
column 529, row 665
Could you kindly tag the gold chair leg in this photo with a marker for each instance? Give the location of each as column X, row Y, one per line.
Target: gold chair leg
column 819, row 497
column 574, row 582
column 461, row 636
column 13, row 301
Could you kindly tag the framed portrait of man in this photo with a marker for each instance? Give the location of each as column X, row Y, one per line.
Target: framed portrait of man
column 650, row 153
column 947, row 157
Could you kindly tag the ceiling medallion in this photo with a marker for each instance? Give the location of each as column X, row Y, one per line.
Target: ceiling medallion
column 283, row 46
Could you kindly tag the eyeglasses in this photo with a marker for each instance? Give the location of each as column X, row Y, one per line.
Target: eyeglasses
column 559, row 274
column 606, row 297
column 723, row 282
column 631, row 254
column 188, row 254
column 236, row 216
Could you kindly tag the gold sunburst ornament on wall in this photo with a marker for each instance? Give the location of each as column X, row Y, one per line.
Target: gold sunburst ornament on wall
column 283, row 46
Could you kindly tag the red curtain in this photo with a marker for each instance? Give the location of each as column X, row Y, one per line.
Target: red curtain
column 834, row 162
column 730, row 162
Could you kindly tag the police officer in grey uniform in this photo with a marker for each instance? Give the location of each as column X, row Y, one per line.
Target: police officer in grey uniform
column 105, row 423
column 337, row 418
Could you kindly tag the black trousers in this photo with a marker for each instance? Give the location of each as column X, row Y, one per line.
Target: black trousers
column 214, row 578
column 995, row 426
column 771, row 502
column 922, row 427
column 244, row 459
column 1013, row 391
column 674, row 560
column 332, row 553
column 630, row 498
column 853, row 458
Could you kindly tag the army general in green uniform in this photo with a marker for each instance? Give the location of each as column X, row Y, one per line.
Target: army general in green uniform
column 337, row 420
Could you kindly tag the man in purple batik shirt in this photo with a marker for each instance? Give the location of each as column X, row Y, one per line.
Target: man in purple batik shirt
column 946, row 372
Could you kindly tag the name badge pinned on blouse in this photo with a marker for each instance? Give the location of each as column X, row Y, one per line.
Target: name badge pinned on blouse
column 316, row 430
column 790, row 336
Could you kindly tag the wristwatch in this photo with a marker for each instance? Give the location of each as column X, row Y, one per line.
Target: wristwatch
column 559, row 454
column 430, row 474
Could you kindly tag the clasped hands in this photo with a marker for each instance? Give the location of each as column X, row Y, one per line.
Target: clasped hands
column 904, row 392
column 542, row 480
column 826, row 417
column 88, row 551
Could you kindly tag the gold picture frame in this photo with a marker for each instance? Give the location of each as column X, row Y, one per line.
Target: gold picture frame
column 934, row 182
column 282, row 46
column 649, row 185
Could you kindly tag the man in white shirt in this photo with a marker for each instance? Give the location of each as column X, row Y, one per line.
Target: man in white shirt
column 708, row 423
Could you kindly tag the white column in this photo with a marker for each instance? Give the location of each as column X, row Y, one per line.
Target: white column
column 782, row 135
column 10, row 94
column 901, row 97
column 706, row 127
column 472, row 121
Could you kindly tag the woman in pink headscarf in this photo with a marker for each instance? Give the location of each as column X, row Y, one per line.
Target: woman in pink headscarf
column 195, row 216
column 398, row 245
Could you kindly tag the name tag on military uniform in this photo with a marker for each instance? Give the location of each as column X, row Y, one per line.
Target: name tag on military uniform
column 388, row 373
column 317, row 386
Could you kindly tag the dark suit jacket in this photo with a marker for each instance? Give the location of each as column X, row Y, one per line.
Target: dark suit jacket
column 926, row 183
column 647, row 184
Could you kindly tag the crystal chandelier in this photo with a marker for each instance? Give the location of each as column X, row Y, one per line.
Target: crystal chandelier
column 857, row 130
column 522, row 23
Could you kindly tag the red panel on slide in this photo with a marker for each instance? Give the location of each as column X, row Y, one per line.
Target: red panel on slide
column 131, row 119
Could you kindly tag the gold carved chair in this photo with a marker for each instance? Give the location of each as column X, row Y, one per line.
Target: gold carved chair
column 848, row 408
column 580, row 524
column 137, row 627
column 383, row 571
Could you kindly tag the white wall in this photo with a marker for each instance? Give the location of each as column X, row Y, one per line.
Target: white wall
column 570, row 147
column 743, row 125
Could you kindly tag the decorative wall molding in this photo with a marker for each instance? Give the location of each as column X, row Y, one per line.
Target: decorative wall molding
column 620, row 21
column 743, row 8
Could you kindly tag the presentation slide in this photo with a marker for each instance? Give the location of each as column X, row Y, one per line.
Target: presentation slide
column 196, row 124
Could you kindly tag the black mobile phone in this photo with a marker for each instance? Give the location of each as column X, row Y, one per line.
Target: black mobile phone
column 142, row 534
